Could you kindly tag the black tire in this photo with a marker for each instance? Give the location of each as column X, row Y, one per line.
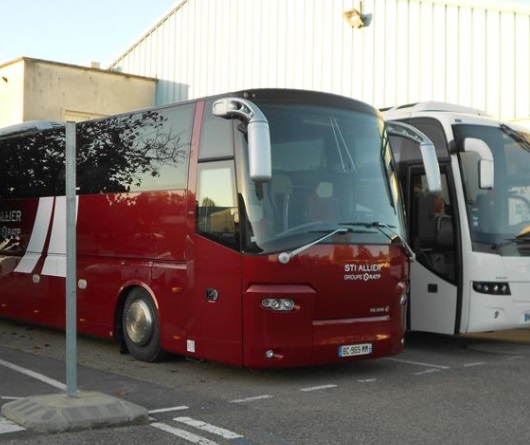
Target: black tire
column 140, row 326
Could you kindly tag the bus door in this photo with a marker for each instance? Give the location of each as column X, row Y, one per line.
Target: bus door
column 434, row 303
column 214, row 326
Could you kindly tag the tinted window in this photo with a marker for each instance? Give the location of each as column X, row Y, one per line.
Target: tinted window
column 217, row 212
column 33, row 164
column 144, row 151
column 216, row 136
column 434, row 131
column 139, row 152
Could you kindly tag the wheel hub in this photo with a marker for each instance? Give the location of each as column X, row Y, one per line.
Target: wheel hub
column 139, row 322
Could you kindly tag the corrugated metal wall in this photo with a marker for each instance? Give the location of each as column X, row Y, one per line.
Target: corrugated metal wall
column 475, row 53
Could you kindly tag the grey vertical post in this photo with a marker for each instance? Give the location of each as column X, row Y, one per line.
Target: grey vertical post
column 71, row 260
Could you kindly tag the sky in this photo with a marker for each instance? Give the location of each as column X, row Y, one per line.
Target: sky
column 74, row 31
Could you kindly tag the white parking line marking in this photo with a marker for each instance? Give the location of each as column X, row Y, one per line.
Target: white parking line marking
column 427, row 371
column 318, row 388
column 224, row 433
column 34, row 375
column 467, row 365
column 366, row 380
column 190, row 437
column 165, row 410
column 409, row 362
column 251, row 399
column 6, row 426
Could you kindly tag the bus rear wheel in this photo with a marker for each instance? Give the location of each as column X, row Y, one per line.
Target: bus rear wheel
column 140, row 326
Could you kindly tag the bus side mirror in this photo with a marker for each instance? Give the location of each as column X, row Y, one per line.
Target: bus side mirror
column 432, row 168
column 485, row 164
column 258, row 134
column 427, row 151
column 259, row 151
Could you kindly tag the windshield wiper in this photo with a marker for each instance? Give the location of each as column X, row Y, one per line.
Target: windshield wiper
column 285, row 257
column 393, row 236
column 510, row 241
column 523, row 235
column 517, row 136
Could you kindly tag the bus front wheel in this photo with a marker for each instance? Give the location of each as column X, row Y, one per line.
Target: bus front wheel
column 140, row 326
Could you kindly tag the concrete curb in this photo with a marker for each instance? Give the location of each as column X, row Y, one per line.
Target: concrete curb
column 60, row 412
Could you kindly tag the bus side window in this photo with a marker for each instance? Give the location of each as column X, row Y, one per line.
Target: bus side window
column 136, row 152
column 217, row 215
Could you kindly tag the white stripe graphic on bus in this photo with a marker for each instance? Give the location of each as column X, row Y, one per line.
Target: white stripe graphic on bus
column 55, row 262
column 38, row 236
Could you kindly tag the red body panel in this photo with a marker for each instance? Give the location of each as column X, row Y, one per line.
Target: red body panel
column 333, row 307
column 214, row 320
column 344, row 294
column 134, row 239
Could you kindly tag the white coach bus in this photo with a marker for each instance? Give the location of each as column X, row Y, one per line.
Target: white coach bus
column 472, row 241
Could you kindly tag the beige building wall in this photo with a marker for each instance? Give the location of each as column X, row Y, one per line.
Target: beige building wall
column 43, row 90
column 11, row 94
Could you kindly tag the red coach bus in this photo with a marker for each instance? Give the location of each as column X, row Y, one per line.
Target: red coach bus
column 260, row 228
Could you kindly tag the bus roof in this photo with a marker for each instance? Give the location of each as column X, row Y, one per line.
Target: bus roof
column 28, row 127
column 403, row 110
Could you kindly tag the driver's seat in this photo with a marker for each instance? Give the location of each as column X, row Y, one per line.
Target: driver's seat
column 321, row 205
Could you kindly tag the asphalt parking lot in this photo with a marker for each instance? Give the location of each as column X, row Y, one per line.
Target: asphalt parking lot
column 514, row 335
column 440, row 390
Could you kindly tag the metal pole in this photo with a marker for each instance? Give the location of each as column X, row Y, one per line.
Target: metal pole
column 71, row 255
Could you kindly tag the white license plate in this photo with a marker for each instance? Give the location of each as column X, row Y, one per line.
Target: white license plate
column 353, row 350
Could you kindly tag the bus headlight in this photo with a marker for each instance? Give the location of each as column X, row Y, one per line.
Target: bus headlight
column 278, row 304
column 492, row 288
column 269, row 353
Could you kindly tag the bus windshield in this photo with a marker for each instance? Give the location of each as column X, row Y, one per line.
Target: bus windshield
column 331, row 168
column 499, row 218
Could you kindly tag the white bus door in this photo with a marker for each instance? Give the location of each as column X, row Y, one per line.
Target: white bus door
column 434, row 300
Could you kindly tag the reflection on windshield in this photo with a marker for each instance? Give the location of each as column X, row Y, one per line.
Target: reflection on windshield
column 328, row 168
column 500, row 214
